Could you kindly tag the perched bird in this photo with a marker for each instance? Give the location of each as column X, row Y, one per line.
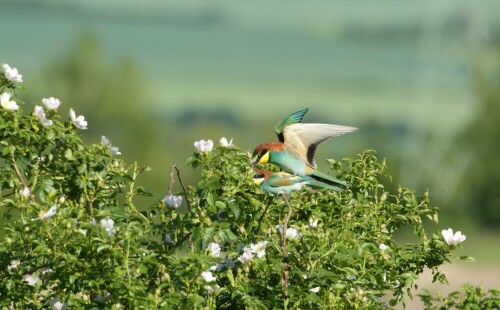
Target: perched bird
column 295, row 151
column 285, row 183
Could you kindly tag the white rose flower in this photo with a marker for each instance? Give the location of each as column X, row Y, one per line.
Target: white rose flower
column 79, row 120
column 214, row 248
column 208, row 276
column 315, row 289
column 313, row 223
column 259, row 249
column 108, row 225
column 12, row 74
column 51, row 103
column 246, row 256
column 173, row 200
column 223, row 141
column 452, row 239
column 30, row 279
column 204, row 145
column 6, row 103
column 57, row 304
column 40, row 113
column 291, row 233
column 113, row 149
column 52, row 211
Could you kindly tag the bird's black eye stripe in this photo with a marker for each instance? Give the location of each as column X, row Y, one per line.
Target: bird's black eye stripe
column 258, row 156
column 258, row 176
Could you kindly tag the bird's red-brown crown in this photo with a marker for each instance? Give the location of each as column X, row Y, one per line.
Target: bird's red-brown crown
column 271, row 146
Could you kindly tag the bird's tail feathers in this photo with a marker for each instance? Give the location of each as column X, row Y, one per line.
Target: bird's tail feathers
column 325, row 178
column 319, row 184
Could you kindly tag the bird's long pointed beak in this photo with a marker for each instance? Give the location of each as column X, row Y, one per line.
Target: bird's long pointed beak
column 255, row 159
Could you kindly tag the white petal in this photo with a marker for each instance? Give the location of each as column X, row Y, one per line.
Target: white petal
column 204, row 145
column 214, row 248
column 223, row 141
column 114, row 150
column 107, row 224
column 315, row 289
column 313, row 223
column 52, row 211
column 32, row 280
column 105, row 140
column 246, row 256
column 25, row 192
column 6, row 103
column 79, row 121
column 208, row 277
column 57, row 304
column 173, row 201
column 12, row 73
column 72, row 115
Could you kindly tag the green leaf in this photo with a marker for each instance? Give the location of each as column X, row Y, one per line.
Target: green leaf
column 235, row 209
column 68, row 154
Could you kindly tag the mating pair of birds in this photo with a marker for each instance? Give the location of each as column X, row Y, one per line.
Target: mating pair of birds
column 294, row 155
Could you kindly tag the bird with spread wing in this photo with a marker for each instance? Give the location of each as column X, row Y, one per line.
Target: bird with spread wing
column 297, row 145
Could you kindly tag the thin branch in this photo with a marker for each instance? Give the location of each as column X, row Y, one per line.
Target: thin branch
column 90, row 201
column 284, row 270
column 20, row 177
column 179, row 243
column 262, row 217
column 170, row 185
column 183, row 188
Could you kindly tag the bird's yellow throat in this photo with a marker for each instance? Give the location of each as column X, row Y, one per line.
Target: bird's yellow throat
column 264, row 159
column 258, row 181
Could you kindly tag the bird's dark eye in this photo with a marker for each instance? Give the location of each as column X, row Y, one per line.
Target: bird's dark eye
column 258, row 176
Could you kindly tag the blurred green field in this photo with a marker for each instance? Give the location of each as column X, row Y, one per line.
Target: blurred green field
column 400, row 71
column 351, row 61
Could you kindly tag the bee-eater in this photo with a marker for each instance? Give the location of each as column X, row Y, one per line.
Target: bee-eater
column 295, row 154
column 285, row 183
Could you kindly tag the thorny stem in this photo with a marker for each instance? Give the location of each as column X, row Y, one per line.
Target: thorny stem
column 284, row 269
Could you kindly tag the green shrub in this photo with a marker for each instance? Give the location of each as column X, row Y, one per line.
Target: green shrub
column 77, row 233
